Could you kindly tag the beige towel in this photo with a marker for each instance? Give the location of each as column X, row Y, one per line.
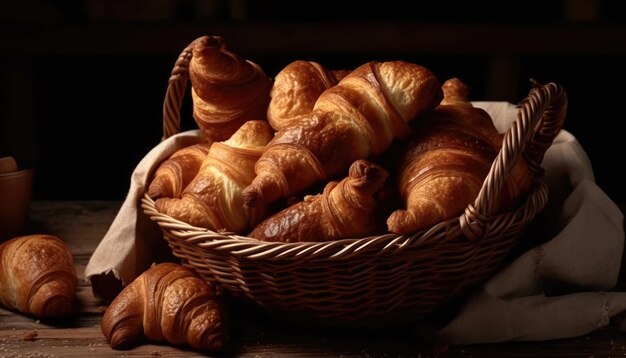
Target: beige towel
column 133, row 241
column 580, row 261
column 561, row 288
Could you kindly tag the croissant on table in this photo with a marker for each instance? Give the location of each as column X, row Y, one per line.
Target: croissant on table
column 295, row 90
column 356, row 119
column 352, row 207
column 173, row 175
column 444, row 164
column 168, row 302
column 226, row 89
column 37, row 276
column 213, row 199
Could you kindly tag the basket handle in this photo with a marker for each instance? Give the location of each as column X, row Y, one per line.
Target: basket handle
column 177, row 85
column 540, row 117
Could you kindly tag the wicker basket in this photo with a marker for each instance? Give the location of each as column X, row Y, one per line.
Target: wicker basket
column 388, row 278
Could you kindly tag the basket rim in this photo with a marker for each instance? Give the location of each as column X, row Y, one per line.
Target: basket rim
column 388, row 243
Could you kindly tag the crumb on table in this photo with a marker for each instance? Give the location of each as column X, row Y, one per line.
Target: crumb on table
column 29, row 336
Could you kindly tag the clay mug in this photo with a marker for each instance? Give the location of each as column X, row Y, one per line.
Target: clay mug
column 15, row 197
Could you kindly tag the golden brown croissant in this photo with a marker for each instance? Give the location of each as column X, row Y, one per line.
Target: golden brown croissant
column 295, row 90
column 37, row 276
column 349, row 208
column 168, row 302
column 226, row 89
column 173, row 175
column 356, row 119
column 445, row 163
column 213, row 198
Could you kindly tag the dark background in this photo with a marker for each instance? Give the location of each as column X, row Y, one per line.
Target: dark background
column 83, row 82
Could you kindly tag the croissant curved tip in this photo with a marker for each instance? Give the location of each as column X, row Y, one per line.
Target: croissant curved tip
column 210, row 41
column 455, row 90
column 368, row 170
column 367, row 175
column 121, row 342
column 154, row 192
column 57, row 307
column 214, row 340
column 402, row 222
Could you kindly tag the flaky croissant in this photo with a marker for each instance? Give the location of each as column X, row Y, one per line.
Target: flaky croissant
column 445, row 163
column 37, row 276
column 213, row 198
column 168, row 302
column 173, row 175
column 295, row 90
column 349, row 208
column 356, row 119
column 226, row 89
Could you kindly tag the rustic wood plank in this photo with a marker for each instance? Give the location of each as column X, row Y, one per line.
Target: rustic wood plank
column 259, row 340
column 76, row 342
column 81, row 224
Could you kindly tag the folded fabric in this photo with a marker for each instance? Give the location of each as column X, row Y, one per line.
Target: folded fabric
column 133, row 241
column 560, row 288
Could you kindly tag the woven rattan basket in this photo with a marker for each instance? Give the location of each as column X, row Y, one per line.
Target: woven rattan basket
column 388, row 278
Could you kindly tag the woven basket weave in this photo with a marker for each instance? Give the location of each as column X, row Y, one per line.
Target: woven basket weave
column 388, row 278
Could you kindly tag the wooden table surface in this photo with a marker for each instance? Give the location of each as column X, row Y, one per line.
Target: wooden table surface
column 82, row 224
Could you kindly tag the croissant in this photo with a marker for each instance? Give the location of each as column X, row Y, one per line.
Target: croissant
column 348, row 208
column 226, row 89
column 356, row 119
column 173, row 175
column 168, row 302
column 446, row 161
column 213, row 198
column 37, row 276
column 295, row 90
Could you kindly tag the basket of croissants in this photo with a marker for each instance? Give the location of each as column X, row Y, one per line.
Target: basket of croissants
column 374, row 194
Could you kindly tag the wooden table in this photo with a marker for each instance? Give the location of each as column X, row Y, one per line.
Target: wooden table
column 82, row 224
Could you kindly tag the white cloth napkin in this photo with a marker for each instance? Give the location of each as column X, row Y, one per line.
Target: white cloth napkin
column 580, row 259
